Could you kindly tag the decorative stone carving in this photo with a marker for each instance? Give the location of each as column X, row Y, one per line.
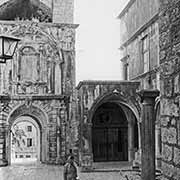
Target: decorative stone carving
column 37, row 64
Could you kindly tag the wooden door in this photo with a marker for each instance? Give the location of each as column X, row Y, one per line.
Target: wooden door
column 110, row 144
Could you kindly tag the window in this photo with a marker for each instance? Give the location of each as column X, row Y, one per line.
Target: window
column 145, row 53
column 29, row 128
column 29, row 142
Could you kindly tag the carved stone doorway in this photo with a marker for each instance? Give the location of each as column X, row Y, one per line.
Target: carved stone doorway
column 25, row 140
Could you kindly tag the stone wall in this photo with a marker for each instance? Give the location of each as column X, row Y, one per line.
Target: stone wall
column 136, row 14
column 135, row 60
column 41, row 72
column 169, row 25
column 52, row 48
column 51, row 115
column 63, row 11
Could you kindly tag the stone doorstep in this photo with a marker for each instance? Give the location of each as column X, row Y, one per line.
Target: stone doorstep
column 114, row 170
column 108, row 167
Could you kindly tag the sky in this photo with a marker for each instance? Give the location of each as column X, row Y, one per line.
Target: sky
column 97, row 39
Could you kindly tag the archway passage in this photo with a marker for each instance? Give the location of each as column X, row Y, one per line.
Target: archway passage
column 25, row 140
column 110, row 133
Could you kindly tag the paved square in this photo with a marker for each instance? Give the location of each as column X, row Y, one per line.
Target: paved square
column 49, row 172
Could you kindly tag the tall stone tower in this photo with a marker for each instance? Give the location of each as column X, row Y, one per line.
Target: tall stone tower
column 63, row 11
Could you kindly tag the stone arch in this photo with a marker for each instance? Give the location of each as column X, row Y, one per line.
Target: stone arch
column 41, row 119
column 109, row 133
column 22, row 109
column 120, row 99
column 116, row 97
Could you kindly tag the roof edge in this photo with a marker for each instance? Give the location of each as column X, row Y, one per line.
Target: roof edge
column 92, row 82
column 130, row 3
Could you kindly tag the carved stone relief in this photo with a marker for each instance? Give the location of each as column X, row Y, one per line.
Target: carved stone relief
column 37, row 64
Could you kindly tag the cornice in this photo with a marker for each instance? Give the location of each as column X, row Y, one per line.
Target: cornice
column 99, row 82
column 34, row 97
column 59, row 25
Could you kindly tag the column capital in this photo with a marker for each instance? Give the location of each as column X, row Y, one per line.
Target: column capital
column 148, row 94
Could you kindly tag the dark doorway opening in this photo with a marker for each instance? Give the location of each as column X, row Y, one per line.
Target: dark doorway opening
column 110, row 134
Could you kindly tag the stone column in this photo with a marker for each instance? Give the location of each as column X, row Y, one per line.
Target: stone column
column 158, row 147
column 63, row 134
column 58, row 134
column 148, row 133
column 130, row 141
column 86, row 156
column 3, row 160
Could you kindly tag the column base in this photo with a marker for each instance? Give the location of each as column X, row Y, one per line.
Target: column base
column 86, row 162
column 158, row 162
column 137, row 160
column 131, row 155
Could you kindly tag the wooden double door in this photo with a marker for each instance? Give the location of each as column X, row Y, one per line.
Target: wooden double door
column 110, row 144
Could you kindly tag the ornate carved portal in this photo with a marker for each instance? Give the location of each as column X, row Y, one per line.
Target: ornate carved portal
column 38, row 82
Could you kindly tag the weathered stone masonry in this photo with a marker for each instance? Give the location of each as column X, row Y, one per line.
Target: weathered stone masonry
column 91, row 95
column 169, row 25
column 47, row 111
column 40, row 82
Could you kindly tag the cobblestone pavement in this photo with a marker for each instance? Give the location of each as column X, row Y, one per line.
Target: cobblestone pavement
column 49, row 172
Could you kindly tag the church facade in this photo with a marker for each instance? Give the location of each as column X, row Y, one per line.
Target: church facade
column 37, row 86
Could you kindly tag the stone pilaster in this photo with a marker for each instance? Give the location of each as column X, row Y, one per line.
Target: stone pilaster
column 158, row 147
column 130, row 141
column 3, row 161
column 3, row 155
column 86, row 154
column 148, row 133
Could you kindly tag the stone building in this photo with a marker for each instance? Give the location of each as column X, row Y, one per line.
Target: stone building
column 109, row 112
column 150, row 48
column 139, row 46
column 109, row 126
column 39, row 82
column 100, row 121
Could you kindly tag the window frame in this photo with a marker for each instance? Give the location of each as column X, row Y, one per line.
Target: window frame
column 29, row 142
column 146, row 52
column 29, row 128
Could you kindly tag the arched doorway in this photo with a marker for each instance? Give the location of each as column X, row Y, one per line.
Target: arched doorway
column 109, row 133
column 36, row 116
column 25, row 140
